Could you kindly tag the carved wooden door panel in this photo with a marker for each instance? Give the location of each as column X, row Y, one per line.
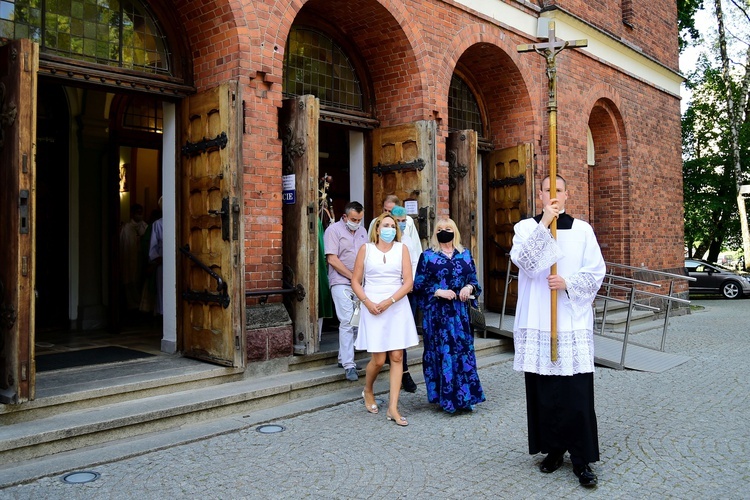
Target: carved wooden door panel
column 19, row 61
column 510, row 198
column 404, row 164
column 211, row 277
column 462, row 162
column 298, row 129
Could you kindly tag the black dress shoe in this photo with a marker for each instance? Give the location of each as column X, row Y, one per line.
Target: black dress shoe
column 551, row 462
column 585, row 475
column 408, row 383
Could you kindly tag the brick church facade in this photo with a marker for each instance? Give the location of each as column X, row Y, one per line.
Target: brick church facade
column 258, row 100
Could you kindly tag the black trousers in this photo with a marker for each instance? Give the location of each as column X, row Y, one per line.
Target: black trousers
column 561, row 417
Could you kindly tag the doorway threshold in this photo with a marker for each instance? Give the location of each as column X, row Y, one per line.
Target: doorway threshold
column 95, row 385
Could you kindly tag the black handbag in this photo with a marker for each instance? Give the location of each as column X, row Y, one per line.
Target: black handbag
column 476, row 315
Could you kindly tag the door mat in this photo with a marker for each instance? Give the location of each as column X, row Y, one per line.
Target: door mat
column 87, row 357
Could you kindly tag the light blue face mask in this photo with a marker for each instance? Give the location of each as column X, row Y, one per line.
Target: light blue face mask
column 387, row 234
column 402, row 225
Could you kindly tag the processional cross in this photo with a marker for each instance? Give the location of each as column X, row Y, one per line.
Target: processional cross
column 549, row 51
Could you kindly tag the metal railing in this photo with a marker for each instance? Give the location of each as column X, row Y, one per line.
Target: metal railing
column 615, row 282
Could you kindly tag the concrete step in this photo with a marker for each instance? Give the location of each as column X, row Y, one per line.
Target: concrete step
column 640, row 321
column 63, row 391
column 102, row 420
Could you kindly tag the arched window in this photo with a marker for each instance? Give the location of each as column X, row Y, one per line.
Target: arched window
column 463, row 108
column 120, row 33
column 315, row 64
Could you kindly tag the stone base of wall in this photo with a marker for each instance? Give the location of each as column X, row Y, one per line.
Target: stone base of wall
column 269, row 332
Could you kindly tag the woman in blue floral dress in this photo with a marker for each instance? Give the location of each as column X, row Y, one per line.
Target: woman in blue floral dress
column 446, row 280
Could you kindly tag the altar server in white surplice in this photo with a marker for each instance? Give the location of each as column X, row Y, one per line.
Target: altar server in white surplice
column 560, row 394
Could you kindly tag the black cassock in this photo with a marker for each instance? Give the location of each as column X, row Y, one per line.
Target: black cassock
column 560, row 412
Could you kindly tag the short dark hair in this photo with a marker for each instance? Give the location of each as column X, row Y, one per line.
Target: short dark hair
column 136, row 207
column 353, row 206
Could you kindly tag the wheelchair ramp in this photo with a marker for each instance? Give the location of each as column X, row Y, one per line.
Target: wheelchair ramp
column 608, row 352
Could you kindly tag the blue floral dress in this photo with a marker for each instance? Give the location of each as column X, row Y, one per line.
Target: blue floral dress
column 449, row 362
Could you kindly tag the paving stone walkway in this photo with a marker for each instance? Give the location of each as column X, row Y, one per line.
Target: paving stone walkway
column 678, row 434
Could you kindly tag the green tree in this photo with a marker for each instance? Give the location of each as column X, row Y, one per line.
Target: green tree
column 716, row 142
column 686, row 10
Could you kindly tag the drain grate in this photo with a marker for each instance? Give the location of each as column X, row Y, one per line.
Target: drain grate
column 81, row 477
column 270, row 428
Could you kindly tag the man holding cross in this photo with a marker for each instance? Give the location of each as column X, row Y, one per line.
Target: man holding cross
column 559, row 393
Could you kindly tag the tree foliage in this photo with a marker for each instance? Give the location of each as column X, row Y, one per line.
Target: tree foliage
column 686, row 10
column 710, row 168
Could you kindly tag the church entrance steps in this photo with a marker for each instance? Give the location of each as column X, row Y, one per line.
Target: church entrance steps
column 167, row 403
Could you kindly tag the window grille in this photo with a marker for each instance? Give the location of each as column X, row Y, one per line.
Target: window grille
column 315, row 64
column 463, row 108
column 121, row 33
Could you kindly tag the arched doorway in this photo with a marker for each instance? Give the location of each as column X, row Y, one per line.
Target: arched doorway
column 489, row 110
column 75, row 212
column 607, row 184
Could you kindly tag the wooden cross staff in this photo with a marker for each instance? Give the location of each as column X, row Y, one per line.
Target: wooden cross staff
column 549, row 50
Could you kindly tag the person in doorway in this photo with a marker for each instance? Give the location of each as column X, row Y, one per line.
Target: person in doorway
column 410, row 237
column 386, row 325
column 446, row 280
column 148, row 293
column 559, row 394
column 156, row 257
column 342, row 241
column 131, row 267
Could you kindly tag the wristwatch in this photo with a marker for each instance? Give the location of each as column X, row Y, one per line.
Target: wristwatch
column 393, row 300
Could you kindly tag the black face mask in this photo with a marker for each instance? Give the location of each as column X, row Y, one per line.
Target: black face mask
column 444, row 236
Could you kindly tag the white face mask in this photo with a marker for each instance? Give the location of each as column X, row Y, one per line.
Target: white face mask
column 352, row 226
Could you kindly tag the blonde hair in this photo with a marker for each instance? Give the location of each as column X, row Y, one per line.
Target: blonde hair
column 375, row 236
column 446, row 221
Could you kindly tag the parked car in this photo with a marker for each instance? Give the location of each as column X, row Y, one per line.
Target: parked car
column 713, row 278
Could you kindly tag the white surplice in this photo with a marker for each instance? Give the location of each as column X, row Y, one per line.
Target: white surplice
column 580, row 262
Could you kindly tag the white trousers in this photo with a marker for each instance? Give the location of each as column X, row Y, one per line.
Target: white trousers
column 347, row 333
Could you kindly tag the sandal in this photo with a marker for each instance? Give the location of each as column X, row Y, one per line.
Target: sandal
column 373, row 408
column 401, row 422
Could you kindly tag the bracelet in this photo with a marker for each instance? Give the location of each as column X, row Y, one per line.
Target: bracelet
column 393, row 300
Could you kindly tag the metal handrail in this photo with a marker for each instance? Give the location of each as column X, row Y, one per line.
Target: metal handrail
column 631, row 280
column 646, row 270
column 609, row 284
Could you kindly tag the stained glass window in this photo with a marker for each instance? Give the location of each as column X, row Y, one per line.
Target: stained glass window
column 315, row 64
column 463, row 108
column 121, row 33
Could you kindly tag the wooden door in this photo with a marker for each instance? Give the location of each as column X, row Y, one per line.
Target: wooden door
column 404, row 164
column 509, row 188
column 462, row 162
column 211, row 278
column 18, row 79
column 298, row 129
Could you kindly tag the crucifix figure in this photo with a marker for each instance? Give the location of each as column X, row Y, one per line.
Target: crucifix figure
column 549, row 50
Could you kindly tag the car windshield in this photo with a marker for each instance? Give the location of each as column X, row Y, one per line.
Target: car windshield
column 723, row 268
column 700, row 266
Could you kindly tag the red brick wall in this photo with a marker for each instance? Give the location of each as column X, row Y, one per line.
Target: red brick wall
column 653, row 23
column 410, row 49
